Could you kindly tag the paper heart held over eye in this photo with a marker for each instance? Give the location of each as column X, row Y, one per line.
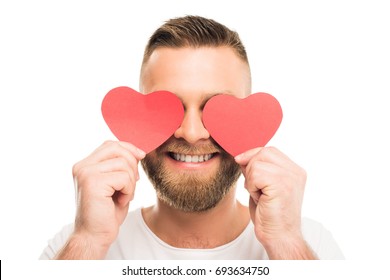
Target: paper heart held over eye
column 238, row 125
column 146, row 121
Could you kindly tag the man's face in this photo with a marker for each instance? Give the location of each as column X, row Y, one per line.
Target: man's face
column 190, row 172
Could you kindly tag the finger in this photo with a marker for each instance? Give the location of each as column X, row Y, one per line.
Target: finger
column 122, row 200
column 124, row 188
column 121, row 181
column 275, row 156
column 137, row 152
column 259, row 176
column 118, row 164
column 244, row 158
column 268, row 154
column 130, row 148
column 261, row 171
column 112, row 149
column 254, row 193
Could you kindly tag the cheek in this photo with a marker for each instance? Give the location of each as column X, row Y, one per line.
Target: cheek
column 149, row 162
column 154, row 155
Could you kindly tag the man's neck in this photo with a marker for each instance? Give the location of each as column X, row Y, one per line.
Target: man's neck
column 209, row 229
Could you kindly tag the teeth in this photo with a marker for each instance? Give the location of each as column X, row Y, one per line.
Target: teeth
column 189, row 158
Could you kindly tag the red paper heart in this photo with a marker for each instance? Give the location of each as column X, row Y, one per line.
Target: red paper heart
column 242, row 124
column 145, row 121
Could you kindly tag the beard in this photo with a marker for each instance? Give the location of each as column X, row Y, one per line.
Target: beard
column 196, row 191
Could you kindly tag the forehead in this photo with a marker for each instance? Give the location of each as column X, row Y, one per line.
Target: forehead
column 196, row 71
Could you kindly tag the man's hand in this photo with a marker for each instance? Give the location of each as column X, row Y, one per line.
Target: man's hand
column 276, row 186
column 105, row 183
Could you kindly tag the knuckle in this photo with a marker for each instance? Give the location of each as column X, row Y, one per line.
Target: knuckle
column 74, row 170
column 303, row 172
column 128, row 164
column 123, row 163
column 126, row 180
column 271, row 148
column 302, row 175
column 268, row 150
column 108, row 142
column 82, row 172
column 85, row 177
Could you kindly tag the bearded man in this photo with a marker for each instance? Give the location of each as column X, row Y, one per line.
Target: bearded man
column 197, row 215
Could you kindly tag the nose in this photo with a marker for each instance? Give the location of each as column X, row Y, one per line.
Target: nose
column 192, row 129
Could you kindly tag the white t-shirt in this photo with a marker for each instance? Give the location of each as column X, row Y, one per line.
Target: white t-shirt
column 136, row 241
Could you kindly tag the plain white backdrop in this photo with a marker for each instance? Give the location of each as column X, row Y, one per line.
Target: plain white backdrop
column 327, row 62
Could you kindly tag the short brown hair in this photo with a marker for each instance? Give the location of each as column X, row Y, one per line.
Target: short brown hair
column 194, row 31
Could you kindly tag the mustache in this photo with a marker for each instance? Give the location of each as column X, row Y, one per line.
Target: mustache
column 181, row 146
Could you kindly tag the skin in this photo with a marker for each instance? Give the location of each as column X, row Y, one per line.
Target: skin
column 105, row 181
column 195, row 75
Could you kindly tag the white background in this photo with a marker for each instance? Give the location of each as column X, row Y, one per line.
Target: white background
column 328, row 63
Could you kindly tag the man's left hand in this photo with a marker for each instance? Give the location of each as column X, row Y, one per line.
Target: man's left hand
column 276, row 185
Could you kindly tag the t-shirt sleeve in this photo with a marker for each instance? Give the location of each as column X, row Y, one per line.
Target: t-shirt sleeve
column 321, row 241
column 55, row 244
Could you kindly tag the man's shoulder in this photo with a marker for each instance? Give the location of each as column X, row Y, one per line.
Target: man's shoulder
column 57, row 242
column 309, row 224
column 320, row 240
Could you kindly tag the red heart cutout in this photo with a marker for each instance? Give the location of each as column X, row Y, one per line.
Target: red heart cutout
column 242, row 124
column 146, row 121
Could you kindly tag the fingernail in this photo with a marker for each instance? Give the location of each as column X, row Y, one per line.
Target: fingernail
column 238, row 158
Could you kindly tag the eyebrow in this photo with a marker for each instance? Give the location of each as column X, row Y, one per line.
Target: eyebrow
column 208, row 96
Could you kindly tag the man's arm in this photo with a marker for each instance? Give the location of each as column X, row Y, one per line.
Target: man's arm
column 276, row 186
column 79, row 247
column 290, row 250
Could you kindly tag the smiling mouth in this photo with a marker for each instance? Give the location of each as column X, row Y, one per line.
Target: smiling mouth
column 191, row 158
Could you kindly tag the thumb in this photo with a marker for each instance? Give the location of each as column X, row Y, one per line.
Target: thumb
column 244, row 158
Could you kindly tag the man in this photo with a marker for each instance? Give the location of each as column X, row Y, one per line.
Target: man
column 196, row 215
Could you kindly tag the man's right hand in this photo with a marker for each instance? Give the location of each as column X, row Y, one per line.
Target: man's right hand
column 105, row 184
